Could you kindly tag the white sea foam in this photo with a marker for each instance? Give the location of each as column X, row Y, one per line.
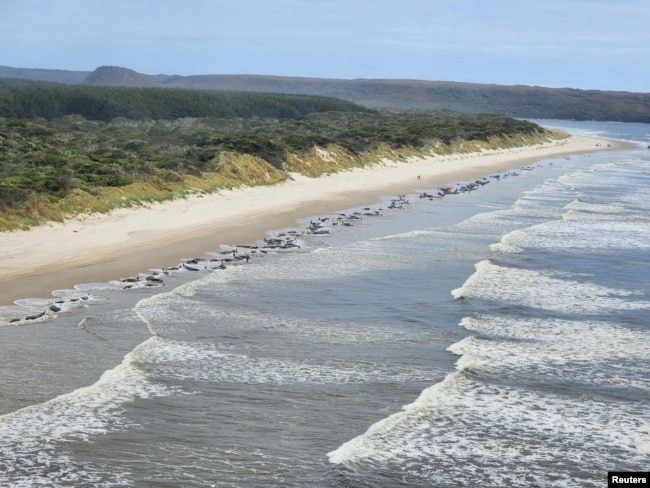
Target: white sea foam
column 405, row 235
column 579, row 210
column 369, row 445
column 33, row 450
column 208, row 362
column 460, row 431
column 578, row 236
column 544, row 290
column 555, row 350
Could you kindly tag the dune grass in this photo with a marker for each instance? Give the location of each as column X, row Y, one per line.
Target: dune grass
column 51, row 170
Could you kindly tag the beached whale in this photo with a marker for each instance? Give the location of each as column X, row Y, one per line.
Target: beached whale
column 35, row 316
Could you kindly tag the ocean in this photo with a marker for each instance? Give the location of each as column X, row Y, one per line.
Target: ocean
column 498, row 337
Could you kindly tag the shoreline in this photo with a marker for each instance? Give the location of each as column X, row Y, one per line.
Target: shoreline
column 103, row 247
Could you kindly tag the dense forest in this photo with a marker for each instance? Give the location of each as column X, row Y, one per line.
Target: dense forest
column 55, row 161
column 28, row 99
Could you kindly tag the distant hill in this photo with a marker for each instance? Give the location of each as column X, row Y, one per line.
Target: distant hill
column 515, row 101
column 55, row 75
column 117, row 76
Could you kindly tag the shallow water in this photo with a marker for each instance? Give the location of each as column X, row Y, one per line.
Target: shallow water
column 497, row 337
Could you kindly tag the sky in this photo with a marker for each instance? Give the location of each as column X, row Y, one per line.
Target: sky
column 587, row 44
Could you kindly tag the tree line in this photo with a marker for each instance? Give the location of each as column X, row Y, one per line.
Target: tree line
column 30, row 99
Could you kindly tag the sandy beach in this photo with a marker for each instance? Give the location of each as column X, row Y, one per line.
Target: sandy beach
column 99, row 248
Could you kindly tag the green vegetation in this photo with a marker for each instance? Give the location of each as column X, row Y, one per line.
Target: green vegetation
column 29, row 99
column 70, row 164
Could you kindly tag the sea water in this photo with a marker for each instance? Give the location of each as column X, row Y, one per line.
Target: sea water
column 498, row 337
